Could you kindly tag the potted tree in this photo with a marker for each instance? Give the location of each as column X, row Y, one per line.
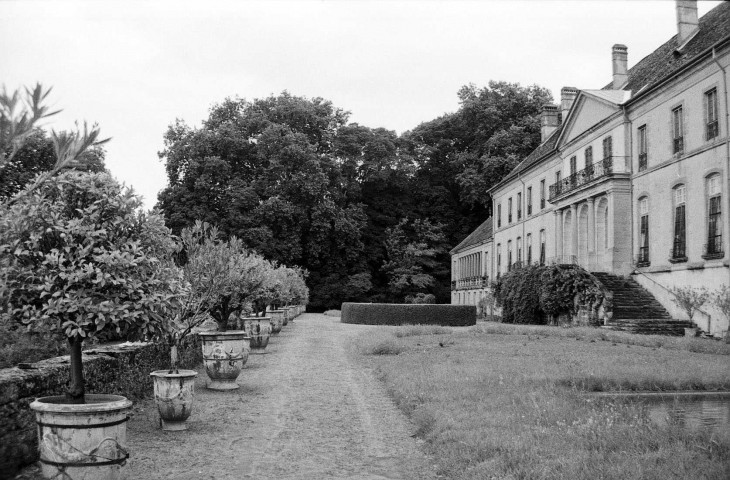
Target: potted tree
column 174, row 387
column 79, row 258
column 225, row 352
column 260, row 328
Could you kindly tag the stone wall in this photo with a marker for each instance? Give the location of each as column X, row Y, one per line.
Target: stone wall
column 113, row 369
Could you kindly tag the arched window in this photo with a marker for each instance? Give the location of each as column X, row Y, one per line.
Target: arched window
column 519, row 250
column 714, row 216
column 679, row 245
column 643, row 259
column 499, row 259
column 529, row 248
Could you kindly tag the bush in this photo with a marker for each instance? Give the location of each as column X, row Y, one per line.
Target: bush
column 532, row 293
column 421, row 298
column 408, row 314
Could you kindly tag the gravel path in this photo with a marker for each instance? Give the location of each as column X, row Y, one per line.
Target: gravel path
column 306, row 409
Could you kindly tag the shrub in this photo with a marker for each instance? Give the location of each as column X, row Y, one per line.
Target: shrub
column 421, row 298
column 408, row 314
column 530, row 293
column 690, row 299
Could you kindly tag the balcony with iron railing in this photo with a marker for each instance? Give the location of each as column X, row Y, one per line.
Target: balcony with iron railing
column 713, row 248
column 599, row 169
column 469, row 283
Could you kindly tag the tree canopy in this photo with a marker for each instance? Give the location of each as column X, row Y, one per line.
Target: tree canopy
column 295, row 181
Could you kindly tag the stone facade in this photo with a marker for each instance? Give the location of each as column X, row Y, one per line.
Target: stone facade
column 635, row 174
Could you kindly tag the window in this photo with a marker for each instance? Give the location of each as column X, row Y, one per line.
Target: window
column 542, row 194
column 714, row 217
column 529, row 249
column 711, row 130
column 542, row 247
column 529, row 200
column 499, row 259
column 499, row 215
column 573, row 165
column 509, row 210
column 509, row 255
column 519, row 206
column 677, row 131
column 519, row 250
column 679, row 247
column 607, row 148
column 643, row 259
column 558, row 178
column 589, row 160
column 642, row 147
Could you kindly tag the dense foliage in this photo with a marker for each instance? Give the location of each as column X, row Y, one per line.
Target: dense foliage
column 537, row 294
column 79, row 258
column 293, row 180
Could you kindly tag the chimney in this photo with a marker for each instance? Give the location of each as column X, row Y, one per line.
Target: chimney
column 687, row 22
column 549, row 121
column 567, row 97
column 620, row 66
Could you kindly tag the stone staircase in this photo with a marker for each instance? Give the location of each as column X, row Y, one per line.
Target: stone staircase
column 636, row 310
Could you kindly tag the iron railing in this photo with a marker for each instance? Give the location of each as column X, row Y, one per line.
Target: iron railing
column 713, row 248
column 642, row 161
column 469, row 283
column 712, row 130
column 678, row 253
column 592, row 172
column 642, row 259
column 678, row 145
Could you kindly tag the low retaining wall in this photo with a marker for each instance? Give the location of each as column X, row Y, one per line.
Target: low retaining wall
column 406, row 313
column 116, row 369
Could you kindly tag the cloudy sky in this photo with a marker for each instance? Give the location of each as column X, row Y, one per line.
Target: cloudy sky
column 135, row 66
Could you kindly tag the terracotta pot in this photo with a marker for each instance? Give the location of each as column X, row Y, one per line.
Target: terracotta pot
column 83, row 442
column 259, row 329
column 174, row 394
column 224, row 354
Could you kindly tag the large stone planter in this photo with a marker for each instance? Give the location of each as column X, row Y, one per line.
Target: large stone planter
column 277, row 322
column 83, row 442
column 224, row 354
column 259, row 329
column 280, row 314
column 174, row 394
column 290, row 313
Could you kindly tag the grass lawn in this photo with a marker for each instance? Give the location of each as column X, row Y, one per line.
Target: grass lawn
column 511, row 405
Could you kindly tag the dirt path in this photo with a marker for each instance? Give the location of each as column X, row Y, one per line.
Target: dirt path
column 305, row 410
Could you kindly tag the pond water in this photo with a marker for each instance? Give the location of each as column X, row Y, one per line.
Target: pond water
column 691, row 410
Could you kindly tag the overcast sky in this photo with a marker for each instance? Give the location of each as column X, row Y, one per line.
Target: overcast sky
column 135, row 66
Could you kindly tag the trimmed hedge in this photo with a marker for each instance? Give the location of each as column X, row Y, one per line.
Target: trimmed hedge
column 409, row 314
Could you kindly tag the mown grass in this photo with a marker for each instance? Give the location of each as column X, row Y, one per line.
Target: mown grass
column 512, row 406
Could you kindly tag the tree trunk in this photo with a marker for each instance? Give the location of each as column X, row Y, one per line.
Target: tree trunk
column 77, row 388
column 174, row 360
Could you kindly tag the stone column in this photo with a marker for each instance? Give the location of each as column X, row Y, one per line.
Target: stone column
column 573, row 230
column 591, row 227
column 558, row 232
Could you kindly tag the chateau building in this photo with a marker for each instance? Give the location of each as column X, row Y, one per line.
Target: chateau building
column 630, row 179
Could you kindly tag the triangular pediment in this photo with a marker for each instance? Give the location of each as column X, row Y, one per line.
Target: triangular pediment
column 587, row 111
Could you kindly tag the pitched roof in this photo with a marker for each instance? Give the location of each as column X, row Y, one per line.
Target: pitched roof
column 545, row 148
column 714, row 26
column 480, row 235
column 614, row 96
